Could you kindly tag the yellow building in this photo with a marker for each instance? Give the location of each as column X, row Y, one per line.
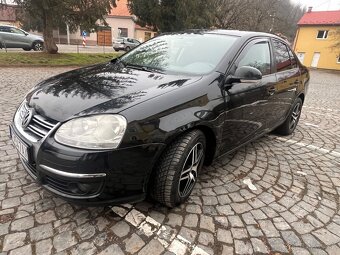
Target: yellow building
column 315, row 37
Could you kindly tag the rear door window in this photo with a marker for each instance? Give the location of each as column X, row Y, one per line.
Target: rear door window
column 292, row 58
column 5, row 29
column 282, row 57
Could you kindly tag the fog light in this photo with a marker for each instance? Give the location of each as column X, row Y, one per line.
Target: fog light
column 85, row 188
column 73, row 188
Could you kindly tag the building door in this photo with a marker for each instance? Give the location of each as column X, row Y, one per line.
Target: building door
column 104, row 36
column 301, row 56
column 315, row 60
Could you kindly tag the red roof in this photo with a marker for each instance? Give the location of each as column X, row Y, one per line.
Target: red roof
column 320, row 18
column 138, row 27
column 121, row 9
column 7, row 13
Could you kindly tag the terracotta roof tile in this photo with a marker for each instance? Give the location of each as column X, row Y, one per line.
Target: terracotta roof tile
column 320, row 18
column 7, row 13
column 121, row 9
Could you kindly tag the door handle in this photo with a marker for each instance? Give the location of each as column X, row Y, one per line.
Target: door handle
column 271, row 91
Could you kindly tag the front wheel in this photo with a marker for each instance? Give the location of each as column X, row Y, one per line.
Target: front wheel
column 177, row 170
column 38, row 46
column 26, row 49
column 292, row 120
column 127, row 49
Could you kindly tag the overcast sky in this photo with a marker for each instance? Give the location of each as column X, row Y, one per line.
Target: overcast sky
column 320, row 5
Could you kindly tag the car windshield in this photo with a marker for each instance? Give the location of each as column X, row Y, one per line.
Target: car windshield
column 181, row 53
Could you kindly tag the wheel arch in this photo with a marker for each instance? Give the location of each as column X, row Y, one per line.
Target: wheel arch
column 36, row 41
column 302, row 96
column 211, row 146
column 211, row 140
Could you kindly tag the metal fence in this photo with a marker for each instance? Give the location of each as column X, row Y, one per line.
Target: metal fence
column 65, row 48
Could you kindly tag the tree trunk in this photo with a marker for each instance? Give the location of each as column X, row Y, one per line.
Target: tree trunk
column 49, row 43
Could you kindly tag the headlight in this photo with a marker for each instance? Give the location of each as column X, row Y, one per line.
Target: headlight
column 94, row 132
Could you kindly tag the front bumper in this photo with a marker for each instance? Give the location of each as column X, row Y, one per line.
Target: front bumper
column 87, row 176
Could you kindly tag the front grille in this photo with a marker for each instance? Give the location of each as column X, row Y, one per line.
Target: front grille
column 73, row 188
column 39, row 126
column 57, row 184
column 63, row 187
column 30, row 168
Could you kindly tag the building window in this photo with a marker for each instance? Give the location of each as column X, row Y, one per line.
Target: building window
column 322, row 34
column 123, row 32
column 147, row 36
column 338, row 59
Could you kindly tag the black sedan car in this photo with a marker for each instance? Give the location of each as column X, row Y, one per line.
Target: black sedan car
column 145, row 123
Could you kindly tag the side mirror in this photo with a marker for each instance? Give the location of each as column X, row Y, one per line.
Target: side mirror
column 248, row 73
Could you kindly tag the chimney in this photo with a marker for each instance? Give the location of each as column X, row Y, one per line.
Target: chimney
column 310, row 8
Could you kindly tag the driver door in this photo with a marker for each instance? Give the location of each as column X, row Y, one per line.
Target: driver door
column 247, row 101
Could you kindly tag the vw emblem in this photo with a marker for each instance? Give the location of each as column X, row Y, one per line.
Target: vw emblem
column 26, row 118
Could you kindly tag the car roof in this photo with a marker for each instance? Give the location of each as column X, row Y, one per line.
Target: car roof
column 4, row 25
column 239, row 33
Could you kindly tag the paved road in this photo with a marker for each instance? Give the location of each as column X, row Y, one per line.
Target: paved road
column 294, row 209
column 63, row 48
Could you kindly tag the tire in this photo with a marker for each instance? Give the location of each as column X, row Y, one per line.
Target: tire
column 127, row 49
column 26, row 49
column 292, row 120
column 38, row 46
column 175, row 164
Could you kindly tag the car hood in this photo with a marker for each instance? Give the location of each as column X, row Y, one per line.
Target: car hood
column 35, row 37
column 103, row 88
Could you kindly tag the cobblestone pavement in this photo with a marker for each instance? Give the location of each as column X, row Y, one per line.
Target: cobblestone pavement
column 294, row 209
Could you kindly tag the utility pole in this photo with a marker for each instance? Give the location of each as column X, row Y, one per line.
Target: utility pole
column 273, row 20
column 68, row 34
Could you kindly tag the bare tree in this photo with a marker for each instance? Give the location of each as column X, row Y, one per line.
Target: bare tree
column 335, row 36
column 229, row 14
column 275, row 16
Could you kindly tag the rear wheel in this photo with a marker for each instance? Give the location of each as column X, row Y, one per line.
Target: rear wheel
column 38, row 46
column 292, row 120
column 177, row 171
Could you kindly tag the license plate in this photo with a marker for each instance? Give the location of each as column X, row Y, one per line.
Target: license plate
column 21, row 147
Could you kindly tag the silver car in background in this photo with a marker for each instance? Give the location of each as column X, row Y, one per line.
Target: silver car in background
column 125, row 43
column 13, row 37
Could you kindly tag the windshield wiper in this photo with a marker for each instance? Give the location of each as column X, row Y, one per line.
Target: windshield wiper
column 143, row 68
column 118, row 61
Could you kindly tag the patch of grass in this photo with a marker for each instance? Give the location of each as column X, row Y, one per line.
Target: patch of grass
column 60, row 59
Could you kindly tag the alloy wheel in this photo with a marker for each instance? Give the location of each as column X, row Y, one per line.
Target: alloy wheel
column 295, row 116
column 189, row 173
column 38, row 47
